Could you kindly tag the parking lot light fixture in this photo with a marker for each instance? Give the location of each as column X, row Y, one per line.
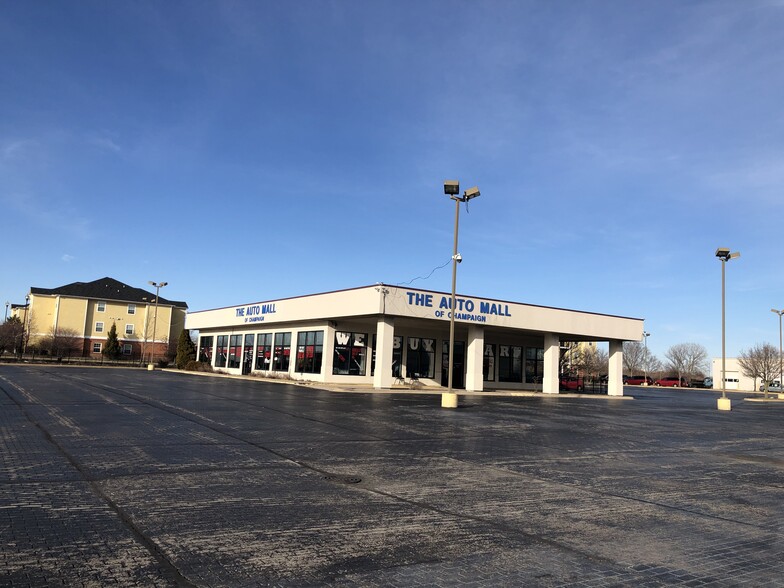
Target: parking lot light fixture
column 645, row 335
column 723, row 253
column 452, row 189
column 158, row 286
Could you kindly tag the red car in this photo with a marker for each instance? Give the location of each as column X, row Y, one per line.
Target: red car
column 672, row 382
column 572, row 383
column 639, row 381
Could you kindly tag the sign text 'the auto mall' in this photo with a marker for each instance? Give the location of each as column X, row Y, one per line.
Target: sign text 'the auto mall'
column 465, row 308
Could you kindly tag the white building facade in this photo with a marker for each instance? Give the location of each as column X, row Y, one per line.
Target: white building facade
column 381, row 335
column 735, row 378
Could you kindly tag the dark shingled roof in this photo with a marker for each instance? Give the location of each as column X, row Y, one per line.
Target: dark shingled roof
column 106, row 289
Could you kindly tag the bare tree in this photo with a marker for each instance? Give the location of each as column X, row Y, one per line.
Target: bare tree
column 687, row 359
column 61, row 342
column 11, row 334
column 633, row 357
column 761, row 361
column 594, row 361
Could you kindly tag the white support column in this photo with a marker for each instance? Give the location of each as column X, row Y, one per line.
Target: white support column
column 474, row 361
column 385, row 334
column 552, row 357
column 615, row 369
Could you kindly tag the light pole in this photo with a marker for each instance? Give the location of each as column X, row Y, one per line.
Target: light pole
column 645, row 334
column 158, row 286
column 452, row 189
column 724, row 255
column 27, row 320
column 7, row 304
column 779, row 312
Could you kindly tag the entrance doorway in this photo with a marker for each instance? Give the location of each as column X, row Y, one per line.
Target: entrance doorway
column 458, row 365
column 247, row 355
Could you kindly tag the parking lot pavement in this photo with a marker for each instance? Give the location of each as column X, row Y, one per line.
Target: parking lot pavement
column 135, row 478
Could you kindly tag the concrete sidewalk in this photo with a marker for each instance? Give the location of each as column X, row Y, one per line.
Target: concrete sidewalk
column 139, row 478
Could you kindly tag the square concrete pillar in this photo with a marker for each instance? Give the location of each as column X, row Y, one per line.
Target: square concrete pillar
column 385, row 334
column 615, row 369
column 474, row 360
column 552, row 357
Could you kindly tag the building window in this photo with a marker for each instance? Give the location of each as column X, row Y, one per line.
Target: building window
column 101, row 307
column 510, row 363
column 131, row 309
column 397, row 356
column 264, row 351
column 310, row 348
column 421, row 357
column 129, row 329
column 280, row 361
column 205, row 349
column 99, row 327
column 127, row 348
column 534, row 365
column 235, row 351
column 488, row 364
column 350, row 354
column 221, row 351
column 96, row 347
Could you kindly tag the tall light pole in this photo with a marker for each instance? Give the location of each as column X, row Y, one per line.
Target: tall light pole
column 7, row 304
column 27, row 320
column 779, row 312
column 452, row 189
column 646, row 334
column 724, row 255
column 158, row 286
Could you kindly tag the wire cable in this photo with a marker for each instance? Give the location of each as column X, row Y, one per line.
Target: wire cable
column 424, row 277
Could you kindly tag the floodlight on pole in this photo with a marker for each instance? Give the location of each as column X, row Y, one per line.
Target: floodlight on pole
column 646, row 334
column 158, row 286
column 723, row 253
column 452, row 189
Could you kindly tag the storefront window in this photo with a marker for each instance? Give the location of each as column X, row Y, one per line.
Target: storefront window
column 205, row 349
column 280, row 361
column 510, row 363
column 421, row 357
column 397, row 356
column 221, row 351
column 310, row 348
column 350, row 354
column 264, row 351
column 488, row 364
column 235, row 349
column 534, row 365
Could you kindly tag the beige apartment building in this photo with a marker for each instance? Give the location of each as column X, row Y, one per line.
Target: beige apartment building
column 376, row 335
column 87, row 310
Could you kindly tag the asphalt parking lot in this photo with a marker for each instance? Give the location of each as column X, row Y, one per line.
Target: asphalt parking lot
column 135, row 478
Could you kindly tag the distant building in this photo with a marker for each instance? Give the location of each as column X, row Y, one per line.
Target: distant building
column 87, row 310
column 736, row 380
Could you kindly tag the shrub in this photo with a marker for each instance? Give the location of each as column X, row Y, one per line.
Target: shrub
column 198, row 366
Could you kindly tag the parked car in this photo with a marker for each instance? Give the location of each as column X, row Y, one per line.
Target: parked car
column 639, row 381
column 672, row 382
column 773, row 386
column 708, row 382
column 572, row 383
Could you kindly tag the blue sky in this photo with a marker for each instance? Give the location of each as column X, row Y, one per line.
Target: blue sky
column 246, row 151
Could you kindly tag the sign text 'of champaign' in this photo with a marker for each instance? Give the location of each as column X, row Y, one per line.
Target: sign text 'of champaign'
column 255, row 312
column 465, row 307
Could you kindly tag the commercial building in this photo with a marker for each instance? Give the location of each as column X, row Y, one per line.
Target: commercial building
column 735, row 378
column 381, row 334
column 85, row 311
